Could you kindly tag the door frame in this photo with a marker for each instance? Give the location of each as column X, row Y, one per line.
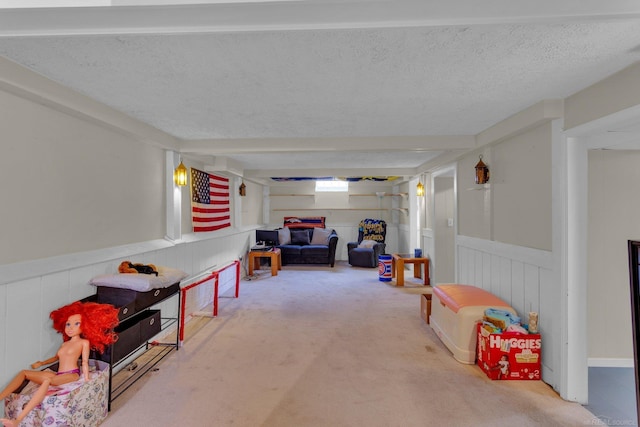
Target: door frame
column 451, row 172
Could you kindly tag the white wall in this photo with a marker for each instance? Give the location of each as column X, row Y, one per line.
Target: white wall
column 69, row 185
column 251, row 204
column 474, row 201
column 82, row 190
column 515, row 207
column 344, row 211
column 504, row 235
column 521, row 186
column 613, row 220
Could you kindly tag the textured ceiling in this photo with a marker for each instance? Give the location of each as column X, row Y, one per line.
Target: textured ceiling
column 322, row 83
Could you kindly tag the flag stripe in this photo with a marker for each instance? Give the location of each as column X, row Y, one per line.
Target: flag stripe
column 211, row 219
column 210, row 208
column 210, row 228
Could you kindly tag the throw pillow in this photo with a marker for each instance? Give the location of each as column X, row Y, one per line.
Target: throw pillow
column 166, row 277
column 299, row 237
column 320, row 236
column 284, row 236
column 367, row 244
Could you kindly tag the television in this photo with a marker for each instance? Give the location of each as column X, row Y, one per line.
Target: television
column 267, row 237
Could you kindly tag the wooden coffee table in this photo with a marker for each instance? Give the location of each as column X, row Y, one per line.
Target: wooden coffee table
column 397, row 267
column 273, row 254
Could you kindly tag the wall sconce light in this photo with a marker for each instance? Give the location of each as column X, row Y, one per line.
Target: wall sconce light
column 419, row 189
column 180, row 175
column 243, row 189
column 482, row 172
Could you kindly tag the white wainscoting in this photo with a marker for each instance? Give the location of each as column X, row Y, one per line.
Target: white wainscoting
column 523, row 277
column 428, row 245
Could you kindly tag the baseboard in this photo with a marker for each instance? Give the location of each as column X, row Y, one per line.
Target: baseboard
column 609, row 363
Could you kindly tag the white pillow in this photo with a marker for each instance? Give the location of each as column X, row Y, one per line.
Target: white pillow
column 367, row 243
column 284, row 236
column 320, row 236
column 140, row 282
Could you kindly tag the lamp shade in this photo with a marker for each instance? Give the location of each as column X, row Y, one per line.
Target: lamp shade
column 419, row 189
column 180, row 175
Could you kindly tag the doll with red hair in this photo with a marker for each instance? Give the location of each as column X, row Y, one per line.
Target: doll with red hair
column 84, row 326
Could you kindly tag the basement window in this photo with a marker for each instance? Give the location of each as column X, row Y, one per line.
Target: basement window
column 334, row 186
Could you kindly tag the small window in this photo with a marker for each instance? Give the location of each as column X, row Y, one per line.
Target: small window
column 342, row 186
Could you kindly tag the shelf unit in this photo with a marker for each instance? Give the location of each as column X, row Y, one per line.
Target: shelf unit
column 292, row 195
column 403, row 210
column 138, row 324
column 375, row 195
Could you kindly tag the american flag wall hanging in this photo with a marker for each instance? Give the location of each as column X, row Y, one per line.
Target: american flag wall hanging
column 209, row 201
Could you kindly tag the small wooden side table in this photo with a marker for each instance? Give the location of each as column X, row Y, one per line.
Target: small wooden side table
column 273, row 254
column 397, row 267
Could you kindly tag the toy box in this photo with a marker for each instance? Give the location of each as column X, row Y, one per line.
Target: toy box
column 509, row 356
column 455, row 311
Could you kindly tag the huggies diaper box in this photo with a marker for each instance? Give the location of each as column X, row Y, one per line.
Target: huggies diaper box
column 509, row 355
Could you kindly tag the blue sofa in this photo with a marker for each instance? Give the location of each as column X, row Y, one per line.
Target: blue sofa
column 302, row 248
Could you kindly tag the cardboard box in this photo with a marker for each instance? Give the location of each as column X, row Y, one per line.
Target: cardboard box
column 509, row 356
column 425, row 306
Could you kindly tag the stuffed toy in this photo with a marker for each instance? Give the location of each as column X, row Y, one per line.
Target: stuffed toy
column 128, row 267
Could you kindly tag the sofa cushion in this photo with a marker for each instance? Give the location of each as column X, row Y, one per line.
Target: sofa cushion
column 290, row 250
column 284, row 236
column 300, row 237
column 368, row 244
column 321, row 236
column 314, row 251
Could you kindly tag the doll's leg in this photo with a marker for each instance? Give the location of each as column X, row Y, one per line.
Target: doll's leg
column 14, row 384
column 41, row 377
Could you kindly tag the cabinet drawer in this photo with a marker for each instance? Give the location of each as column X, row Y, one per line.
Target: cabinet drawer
column 150, row 325
column 128, row 340
column 140, row 300
column 147, row 299
column 125, row 304
column 133, row 333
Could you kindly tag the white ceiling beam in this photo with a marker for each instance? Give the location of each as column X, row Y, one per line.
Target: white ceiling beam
column 291, row 145
column 300, row 15
column 535, row 115
column 224, row 164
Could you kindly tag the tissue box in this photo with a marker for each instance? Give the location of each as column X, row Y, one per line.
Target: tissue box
column 77, row 404
column 509, row 356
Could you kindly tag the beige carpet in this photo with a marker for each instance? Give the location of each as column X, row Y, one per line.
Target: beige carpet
column 317, row 346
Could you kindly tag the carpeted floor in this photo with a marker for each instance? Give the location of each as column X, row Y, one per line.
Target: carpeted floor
column 320, row 346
